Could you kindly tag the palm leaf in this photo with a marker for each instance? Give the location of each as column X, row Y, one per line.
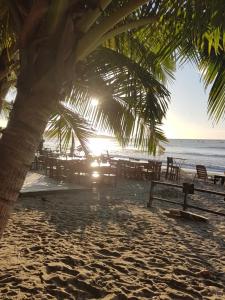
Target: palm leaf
column 67, row 123
column 126, row 92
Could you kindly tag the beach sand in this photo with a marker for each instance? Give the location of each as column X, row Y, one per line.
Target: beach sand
column 105, row 244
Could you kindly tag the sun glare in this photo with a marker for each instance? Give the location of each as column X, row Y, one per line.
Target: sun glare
column 97, row 146
column 94, row 101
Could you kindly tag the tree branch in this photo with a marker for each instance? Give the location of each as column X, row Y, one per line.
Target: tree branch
column 124, row 28
column 86, row 43
column 91, row 16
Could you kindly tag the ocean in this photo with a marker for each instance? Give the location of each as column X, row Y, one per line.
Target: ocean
column 210, row 153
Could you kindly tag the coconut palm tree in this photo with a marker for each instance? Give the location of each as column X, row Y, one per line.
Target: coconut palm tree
column 123, row 80
column 50, row 45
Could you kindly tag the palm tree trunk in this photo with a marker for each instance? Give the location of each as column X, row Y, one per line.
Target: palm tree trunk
column 19, row 142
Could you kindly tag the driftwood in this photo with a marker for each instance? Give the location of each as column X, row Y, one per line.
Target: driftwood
column 176, row 213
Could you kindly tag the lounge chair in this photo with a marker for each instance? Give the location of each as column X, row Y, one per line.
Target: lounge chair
column 202, row 173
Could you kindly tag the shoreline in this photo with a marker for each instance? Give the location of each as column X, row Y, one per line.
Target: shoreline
column 196, row 151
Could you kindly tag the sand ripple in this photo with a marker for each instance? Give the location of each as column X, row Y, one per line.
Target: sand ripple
column 94, row 246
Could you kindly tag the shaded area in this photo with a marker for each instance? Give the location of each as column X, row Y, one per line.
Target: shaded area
column 105, row 244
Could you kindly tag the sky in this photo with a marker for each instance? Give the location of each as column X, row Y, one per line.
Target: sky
column 187, row 115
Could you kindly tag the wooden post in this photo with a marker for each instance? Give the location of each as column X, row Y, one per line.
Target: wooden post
column 188, row 188
column 185, row 200
column 149, row 204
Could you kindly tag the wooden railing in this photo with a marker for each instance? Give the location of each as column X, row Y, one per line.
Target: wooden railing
column 187, row 189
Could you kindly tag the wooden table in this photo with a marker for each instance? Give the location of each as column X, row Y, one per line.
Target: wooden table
column 70, row 158
column 101, row 167
column 178, row 161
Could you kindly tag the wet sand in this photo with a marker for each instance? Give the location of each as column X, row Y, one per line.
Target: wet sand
column 106, row 244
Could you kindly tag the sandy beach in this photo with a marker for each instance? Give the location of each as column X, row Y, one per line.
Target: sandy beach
column 105, row 244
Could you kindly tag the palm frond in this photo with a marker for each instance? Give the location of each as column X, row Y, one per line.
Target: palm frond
column 195, row 31
column 131, row 102
column 66, row 123
column 214, row 74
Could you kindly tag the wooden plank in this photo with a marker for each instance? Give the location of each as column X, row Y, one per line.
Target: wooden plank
column 207, row 210
column 168, row 184
column 196, row 189
column 210, row 192
column 176, row 213
column 165, row 200
column 192, row 216
column 41, row 192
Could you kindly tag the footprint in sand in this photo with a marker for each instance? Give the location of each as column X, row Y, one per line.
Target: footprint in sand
column 98, row 266
column 107, row 252
column 87, row 287
column 36, row 248
column 119, row 268
column 72, row 261
column 60, row 267
column 8, row 278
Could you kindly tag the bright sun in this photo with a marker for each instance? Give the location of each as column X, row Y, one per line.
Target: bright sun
column 94, row 101
column 97, row 145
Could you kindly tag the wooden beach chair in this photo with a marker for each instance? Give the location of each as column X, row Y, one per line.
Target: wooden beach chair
column 172, row 170
column 201, row 173
column 153, row 170
column 168, row 167
column 157, row 170
column 174, row 173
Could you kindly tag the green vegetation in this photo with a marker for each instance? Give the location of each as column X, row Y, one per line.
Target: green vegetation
column 62, row 54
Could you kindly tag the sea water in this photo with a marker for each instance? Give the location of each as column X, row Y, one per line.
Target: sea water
column 210, row 153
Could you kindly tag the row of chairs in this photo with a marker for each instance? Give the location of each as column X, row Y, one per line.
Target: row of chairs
column 79, row 171
column 150, row 170
column 70, row 170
